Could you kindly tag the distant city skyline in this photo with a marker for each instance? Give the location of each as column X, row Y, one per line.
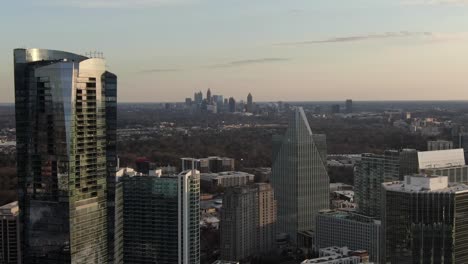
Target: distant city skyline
column 301, row 50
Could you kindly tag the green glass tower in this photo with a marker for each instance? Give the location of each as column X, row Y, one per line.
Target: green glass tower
column 63, row 154
column 424, row 220
column 299, row 176
column 162, row 218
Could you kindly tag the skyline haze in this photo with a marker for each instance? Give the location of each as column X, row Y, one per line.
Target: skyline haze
column 165, row 50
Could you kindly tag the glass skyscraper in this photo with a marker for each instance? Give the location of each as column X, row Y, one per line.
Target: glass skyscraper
column 424, row 220
column 65, row 126
column 299, row 176
column 162, row 218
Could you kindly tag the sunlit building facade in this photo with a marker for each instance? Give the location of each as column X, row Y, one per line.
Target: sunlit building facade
column 64, row 154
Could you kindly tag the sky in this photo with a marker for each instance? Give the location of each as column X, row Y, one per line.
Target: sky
column 290, row 50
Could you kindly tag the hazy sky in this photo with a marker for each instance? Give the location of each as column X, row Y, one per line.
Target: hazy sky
column 165, row 50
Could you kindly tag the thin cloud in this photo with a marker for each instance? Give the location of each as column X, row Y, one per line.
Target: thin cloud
column 114, row 3
column 388, row 35
column 249, row 62
column 435, row 2
column 159, row 70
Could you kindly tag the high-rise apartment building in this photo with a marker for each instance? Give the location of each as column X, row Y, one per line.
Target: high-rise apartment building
column 248, row 220
column 162, row 218
column 347, row 229
column 299, row 176
column 424, row 220
column 10, row 247
column 64, row 106
column 369, row 174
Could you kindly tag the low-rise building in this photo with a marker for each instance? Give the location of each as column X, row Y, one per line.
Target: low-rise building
column 213, row 181
column 439, row 145
column 358, row 232
column 339, row 255
column 210, row 164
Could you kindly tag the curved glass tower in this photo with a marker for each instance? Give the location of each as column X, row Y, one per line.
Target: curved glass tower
column 64, row 154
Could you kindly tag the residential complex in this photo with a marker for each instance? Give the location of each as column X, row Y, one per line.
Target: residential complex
column 248, row 219
column 162, row 218
column 65, row 149
column 370, row 173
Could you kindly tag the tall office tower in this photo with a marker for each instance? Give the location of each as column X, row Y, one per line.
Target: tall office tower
column 369, row 174
column 198, row 98
column 347, row 229
column 424, row 221
column 62, row 138
column 232, row 105
column 208, row 96
column 349, row 106
column 249, row 103
column 439, row 145
column 162, row 218
column 248, row 217
column 299, row 176
column 10, row 247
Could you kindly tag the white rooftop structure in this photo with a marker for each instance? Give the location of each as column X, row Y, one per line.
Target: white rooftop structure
column 441, row 158
column 226, row 174
column 425, row 183
column 10, row 209
column 334, row 255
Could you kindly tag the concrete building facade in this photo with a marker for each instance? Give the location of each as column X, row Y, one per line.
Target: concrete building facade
column 10, row 234
column 248, row 218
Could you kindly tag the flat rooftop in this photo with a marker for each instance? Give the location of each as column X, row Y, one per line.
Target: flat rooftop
column 425, row 183
column 225, row 174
